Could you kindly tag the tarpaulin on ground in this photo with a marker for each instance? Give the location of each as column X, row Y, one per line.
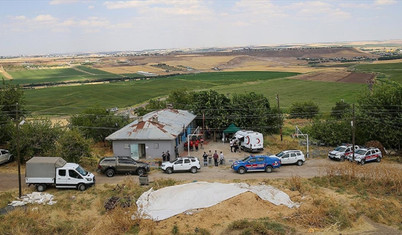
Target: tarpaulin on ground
column 167, row 202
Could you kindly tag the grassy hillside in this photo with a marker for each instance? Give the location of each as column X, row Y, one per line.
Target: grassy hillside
column 74, row 99
column 391, row 70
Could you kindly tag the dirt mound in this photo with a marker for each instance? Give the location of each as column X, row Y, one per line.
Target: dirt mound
column 337, row 76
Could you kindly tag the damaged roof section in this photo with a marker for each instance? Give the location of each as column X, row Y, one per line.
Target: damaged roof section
column 165, row 124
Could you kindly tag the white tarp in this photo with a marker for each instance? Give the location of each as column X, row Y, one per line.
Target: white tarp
column 167, row 202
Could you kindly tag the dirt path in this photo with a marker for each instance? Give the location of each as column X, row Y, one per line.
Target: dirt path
column 5, row 74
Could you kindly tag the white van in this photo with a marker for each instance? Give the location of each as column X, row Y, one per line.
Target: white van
column 250, row 141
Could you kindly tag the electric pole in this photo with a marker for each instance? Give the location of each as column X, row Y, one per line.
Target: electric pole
column 18, row 148
column 353, row 133
column 279, row 114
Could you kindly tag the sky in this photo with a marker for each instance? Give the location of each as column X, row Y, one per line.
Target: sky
column 32, row 27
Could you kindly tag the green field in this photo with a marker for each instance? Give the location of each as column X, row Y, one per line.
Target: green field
column 33, row 76
column 391, row 70
column 74, row 99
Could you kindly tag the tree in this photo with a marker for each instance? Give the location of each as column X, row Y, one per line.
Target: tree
column 331, row 131
column 153, row 104
column 10, row 95
column 72, row 146
column 252, row 111
column 36, row 138
column 341, row 110
column 214, row 106
column 97, row 123
column 180, row 99
column 379, row 115
column 306, row 109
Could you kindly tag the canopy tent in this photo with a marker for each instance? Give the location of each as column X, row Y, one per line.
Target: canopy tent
column 230, row 130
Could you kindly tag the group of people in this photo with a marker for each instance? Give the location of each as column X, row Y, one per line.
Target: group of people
column 166, row 156
column 218, row 159
column 196, row 143
column 234, row 145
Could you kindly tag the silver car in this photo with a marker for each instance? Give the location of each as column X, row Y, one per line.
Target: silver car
column 5, row 156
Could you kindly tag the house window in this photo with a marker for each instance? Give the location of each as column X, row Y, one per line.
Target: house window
column 126, row 146
column 156, row 146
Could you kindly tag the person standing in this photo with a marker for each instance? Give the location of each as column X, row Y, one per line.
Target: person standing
column 163, row 157
column 209, row 157
column 216, row 158
column 168, row 156
column 205, row 156
column 196, row 145
column 221, row 158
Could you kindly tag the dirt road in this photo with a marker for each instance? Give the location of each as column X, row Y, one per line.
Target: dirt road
column 311, row 168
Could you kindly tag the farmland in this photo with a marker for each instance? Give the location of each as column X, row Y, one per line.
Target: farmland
column 123, row 94
column 32, row 76
column 391, row 70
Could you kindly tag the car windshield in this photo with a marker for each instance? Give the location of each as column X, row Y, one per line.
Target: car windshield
column 279, row 154
column 340, row 149
column 361, row 151
column 245, row 159
column 81, row 171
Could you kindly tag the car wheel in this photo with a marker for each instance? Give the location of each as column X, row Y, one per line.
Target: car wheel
column 300, row 162
column 41, row 187
column 363, row 161
column 241, row 170
column 109, row 172
column 140, row 171
column 193, row 169
column 11, row 158
column 268, row 169
column 378, row 159
column 342, row 158
column 81, row 187
column 169, row 170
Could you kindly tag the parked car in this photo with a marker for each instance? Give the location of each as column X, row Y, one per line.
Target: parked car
column 364, row 155
column 342, row 152
column 256, row 163
column 121, row 164
column 291, row 157
column 5, row 156
column 191, row 164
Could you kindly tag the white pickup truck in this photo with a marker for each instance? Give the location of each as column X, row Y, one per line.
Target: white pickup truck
column 55, row 171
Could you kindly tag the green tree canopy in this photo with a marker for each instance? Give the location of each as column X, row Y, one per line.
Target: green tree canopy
column 307, row 109
column 379, row 115
column 97, row 123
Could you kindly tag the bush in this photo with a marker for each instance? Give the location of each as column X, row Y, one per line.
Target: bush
column 341, row 110
column 306, row 109
column 331, row 132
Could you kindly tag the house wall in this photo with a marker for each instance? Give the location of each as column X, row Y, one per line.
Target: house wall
column 153, row 148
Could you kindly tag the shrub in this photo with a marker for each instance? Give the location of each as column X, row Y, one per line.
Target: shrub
column 306, row 109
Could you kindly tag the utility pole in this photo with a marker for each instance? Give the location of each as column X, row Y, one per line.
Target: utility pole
column 279, row 113
column 18, row 148
column 353, row 132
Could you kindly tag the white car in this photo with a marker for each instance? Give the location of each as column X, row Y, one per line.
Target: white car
column 191, row 164
column 342, row 152
column 291, row 157
column 5, row 156
column 364, row 155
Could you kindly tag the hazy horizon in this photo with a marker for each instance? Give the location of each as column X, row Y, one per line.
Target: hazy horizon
column 72, row 26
